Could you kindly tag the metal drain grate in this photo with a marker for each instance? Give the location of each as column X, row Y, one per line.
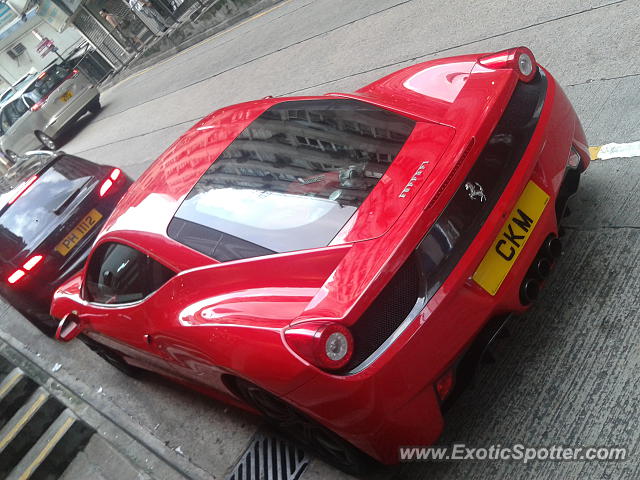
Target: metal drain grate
column 270, row 458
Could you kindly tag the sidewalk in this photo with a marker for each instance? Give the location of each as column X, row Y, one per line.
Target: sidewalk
column 48, row 431
column 149, row 420
column 196, row 24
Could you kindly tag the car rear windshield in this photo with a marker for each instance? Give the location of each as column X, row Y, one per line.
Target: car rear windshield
column 47, row 81
column 31, row 218
column 291, row 180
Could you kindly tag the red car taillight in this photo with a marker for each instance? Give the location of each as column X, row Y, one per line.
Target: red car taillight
column 21, row 189
column 26, row 267
column 108, row 183
column 326, row 345
column 37, row 106
column 519, row 59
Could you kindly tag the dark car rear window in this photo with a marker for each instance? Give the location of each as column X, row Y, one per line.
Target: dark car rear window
column 291, row 179
column 31, row 217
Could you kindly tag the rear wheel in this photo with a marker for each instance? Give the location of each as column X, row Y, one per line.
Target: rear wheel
column 13, row 156
column 310, row 434
column 94, row 106
column 46, row 140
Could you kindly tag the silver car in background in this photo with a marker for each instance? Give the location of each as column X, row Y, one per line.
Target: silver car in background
column 39, row 112
column 16, row 87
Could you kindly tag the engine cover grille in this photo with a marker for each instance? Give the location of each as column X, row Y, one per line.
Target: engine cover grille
column 386, row 313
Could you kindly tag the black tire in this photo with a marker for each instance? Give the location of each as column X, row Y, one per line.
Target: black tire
column 46, row 140
column 94, row 107
column 13, row 156
column 312, row 436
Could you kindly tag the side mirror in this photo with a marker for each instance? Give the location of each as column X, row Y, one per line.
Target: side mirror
column 69, row 327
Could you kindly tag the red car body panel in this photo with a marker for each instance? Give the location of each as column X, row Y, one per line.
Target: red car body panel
column 213, row 319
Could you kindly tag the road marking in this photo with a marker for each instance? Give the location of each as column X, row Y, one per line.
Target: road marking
column 615, row 150
column 593, row 152
column 206, row 40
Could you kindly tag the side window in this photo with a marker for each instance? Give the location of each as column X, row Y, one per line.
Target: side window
column 5, row 124
column 121, row 274
column 28, row 100
column 12, row 112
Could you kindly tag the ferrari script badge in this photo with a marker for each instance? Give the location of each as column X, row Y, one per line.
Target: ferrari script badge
column 414, row 178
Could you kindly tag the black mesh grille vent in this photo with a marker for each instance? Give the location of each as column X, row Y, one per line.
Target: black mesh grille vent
column 386, row 313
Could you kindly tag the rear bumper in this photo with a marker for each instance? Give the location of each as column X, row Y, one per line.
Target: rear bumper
column 393, row 401
column 71, row 112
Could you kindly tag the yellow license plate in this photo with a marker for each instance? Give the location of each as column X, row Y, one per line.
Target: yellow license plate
column 511, row 240
column 66, row 96
column 80, row 230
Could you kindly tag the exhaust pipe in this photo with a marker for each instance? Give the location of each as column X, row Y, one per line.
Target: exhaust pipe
column 542, row 267
column 529, row 291
column 554, row 247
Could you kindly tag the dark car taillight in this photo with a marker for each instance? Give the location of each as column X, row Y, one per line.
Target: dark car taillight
column 28, row 266
column 327, row 345
column 109, row 182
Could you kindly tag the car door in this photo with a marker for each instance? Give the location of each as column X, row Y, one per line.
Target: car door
column 118, row 281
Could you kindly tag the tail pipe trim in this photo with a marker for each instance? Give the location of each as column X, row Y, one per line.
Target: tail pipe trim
column 540, row 269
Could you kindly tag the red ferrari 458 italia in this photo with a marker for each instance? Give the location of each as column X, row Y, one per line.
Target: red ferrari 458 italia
column 339, row 263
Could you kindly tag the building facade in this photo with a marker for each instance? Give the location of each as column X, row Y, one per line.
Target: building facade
column 20, row 37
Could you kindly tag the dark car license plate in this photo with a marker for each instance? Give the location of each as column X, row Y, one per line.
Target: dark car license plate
column 80, row 230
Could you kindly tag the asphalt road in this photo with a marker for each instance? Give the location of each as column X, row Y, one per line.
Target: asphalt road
column 314, row 47
column 569, row 374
